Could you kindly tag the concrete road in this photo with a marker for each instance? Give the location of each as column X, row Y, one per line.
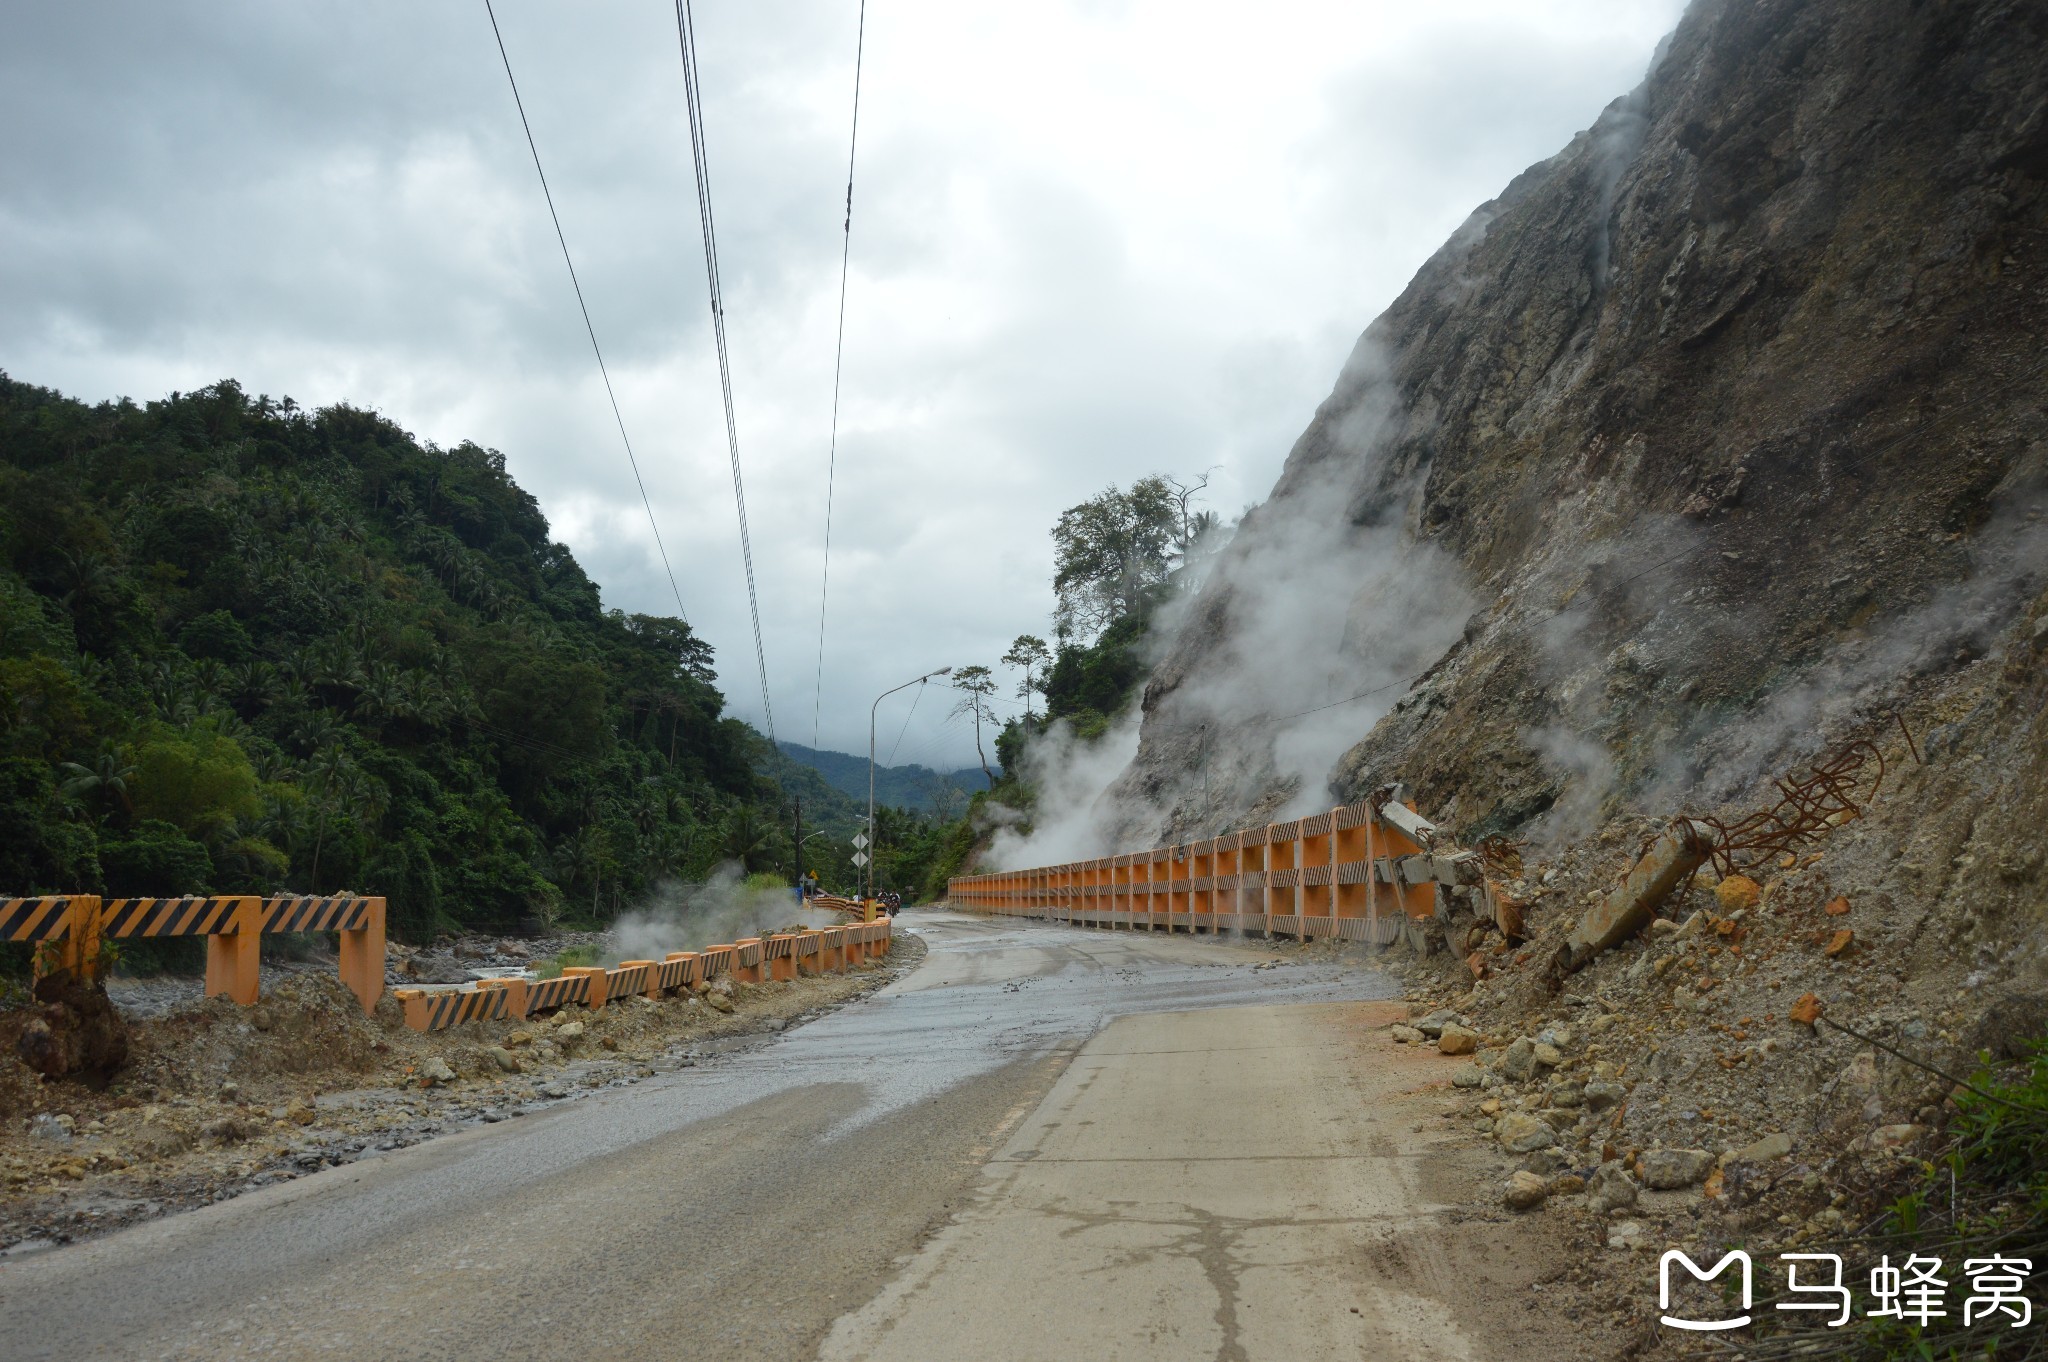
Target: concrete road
column 1210, row 1163
column 1198, row 1185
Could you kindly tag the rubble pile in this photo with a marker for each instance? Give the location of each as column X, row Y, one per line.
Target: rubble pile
column 218, row 1099
column 1769, row 1057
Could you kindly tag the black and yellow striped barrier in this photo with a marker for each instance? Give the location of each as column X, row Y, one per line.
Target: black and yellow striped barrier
column 70, row 927
column 432, row 1011
column 519, row 999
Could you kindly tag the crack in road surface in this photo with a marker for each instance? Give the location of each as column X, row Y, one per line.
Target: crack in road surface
column 743, row 1204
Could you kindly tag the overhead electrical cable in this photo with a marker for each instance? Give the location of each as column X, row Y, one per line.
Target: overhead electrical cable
column 584, row 307
column 906, row 726
column 686, row 37
column 838, row 357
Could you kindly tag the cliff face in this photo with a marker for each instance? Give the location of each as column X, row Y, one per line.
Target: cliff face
column 1701, row 442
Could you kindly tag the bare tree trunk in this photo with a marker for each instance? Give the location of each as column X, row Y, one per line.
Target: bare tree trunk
column 987, row 775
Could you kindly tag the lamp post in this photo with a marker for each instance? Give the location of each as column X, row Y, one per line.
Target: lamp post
column 874, row 845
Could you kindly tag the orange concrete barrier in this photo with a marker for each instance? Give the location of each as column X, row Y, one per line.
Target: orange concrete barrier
column 749, row 963
column 69, row 930
column 716, row 960
column 1361, row 872
column 629, row 978
column 594, row 978
column 592, row 986
column 431, row 1011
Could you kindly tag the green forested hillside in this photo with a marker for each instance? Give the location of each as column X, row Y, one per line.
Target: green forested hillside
column 904, row 787
column 245, row 647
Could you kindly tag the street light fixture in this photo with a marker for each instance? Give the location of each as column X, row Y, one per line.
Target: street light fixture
column 874, row 845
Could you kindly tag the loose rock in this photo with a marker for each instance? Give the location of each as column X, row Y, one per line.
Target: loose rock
column 1611, row 1189
column 1519, row 1133
column 1525, row 1191
column 1666, row 1169
column 1457, row 1040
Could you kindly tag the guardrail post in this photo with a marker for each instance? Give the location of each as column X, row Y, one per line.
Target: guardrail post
column 515, row 996
column 362, row 958
column 595, row 999
column 78, row 950
column 234, row 958
column 651, row 989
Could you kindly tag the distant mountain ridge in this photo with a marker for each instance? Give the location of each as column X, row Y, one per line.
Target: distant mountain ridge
column 904, row 787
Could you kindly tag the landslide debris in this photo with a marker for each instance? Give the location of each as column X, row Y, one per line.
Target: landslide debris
column 218, row 1099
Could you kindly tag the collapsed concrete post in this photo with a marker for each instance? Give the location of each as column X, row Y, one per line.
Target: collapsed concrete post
column 1678, row 851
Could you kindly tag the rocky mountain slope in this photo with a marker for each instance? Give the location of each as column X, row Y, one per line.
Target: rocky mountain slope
column 1714, row 437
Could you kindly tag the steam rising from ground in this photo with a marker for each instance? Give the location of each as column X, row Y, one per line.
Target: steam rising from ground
column 1071, row 776
column 1307, row 629
column 688, row 917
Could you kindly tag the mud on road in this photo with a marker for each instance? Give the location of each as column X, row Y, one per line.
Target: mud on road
column 218, row 1100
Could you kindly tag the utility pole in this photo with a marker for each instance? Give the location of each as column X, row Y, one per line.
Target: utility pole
column 799, row 852
column 872, row 847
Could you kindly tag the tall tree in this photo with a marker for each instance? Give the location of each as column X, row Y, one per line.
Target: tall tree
column 975, row 685
column 1030, row 654
column 1109, row 553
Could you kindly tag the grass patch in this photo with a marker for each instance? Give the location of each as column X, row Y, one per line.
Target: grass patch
column 1985, row 1195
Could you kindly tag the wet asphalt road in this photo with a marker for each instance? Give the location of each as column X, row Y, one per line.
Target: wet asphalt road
column 737, row 1208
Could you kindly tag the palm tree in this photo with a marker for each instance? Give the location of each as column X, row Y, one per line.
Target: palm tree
column 330, row 767
column 108, row 775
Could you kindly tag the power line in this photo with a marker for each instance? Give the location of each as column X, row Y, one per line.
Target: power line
column 890, row 759
column 686, row 37
column 584, row 307
column 838, row 357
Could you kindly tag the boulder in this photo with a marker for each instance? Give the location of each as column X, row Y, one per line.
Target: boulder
column 1406, row 1035
column 1666, row 1169
column 1526, row 1191
column 1565, row 1184
column 504, row 1059
column 299, row 1112
column 568, row 1031
column 1433, row 1024
column 1520, row 1133
column 434, row 1070
column 1601, row 1096
column 1547, row 1056
column 1470, row 1076
column 1457, row 1040
column 77, row 1030
column 1611, row 1188
column 1518, row 1061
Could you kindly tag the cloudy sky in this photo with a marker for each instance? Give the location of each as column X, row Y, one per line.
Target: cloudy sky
column 1092, row 239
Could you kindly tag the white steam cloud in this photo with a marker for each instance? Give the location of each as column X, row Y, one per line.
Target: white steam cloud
column 1308, row 628
column 688, row 917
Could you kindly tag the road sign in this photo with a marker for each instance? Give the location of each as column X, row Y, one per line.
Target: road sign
column 860, row 841
column 860, row 858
